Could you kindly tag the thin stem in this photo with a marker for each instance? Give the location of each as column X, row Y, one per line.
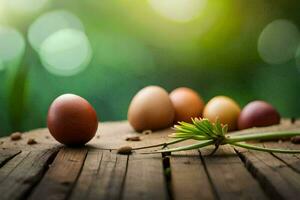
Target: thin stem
column 162, row 144
column 261, row 136
column 270, row 150
column 215, row 149
column 189, row 147
column 195, row 137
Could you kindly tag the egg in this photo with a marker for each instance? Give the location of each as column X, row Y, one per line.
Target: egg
column 223, row 108
column 257, row 114
column 72, row 120
column 187, row 104
column 151, row 109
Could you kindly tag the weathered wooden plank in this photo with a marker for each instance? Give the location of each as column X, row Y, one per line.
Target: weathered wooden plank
column 102, row 176
column 20, row 174
column 291, row 160
column 7, row 154
column 278, row 180
column 87, row 175
column 145, row 178
column 61, row 176
column 113, row 135
column 189, row 179
column 284, row 125
column 11, row 165
column 229, row 176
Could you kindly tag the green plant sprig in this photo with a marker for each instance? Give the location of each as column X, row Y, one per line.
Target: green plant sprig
column 208, row 133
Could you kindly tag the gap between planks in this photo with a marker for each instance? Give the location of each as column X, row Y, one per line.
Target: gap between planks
column 275, row 176
column 137, row 163
column 20, row 174
column 101, row 174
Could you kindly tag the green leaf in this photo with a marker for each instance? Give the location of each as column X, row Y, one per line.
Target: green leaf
column 214, row 134
column 200, row 124
column 218, row 127
column 225, row 129
column 184, row 135
column 182, row 129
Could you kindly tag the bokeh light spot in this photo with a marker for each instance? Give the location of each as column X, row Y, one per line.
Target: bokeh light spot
column 178, row 10
column 49, row 23
column 297, row 57
column 12, row 45
column 66, row 52
column 25, row 6
column 278, row 41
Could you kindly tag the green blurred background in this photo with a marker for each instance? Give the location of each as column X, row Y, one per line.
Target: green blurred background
column 244, row 49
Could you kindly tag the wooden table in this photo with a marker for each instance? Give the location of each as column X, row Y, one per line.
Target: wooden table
column 48, row 170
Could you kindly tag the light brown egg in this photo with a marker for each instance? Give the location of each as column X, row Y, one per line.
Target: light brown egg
column 72, row 120
column 187, row 103
column 223, row 108
column 151, row 109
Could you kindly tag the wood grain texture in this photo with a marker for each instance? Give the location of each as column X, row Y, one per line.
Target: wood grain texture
column 21, row 173
column 291, row 160
column 61, row 176
column 88, row 174
column 188, row 177
column 95, row 172
column 145, row 178
column 276, row 178
column 11, row 165
column 7, row 154
column 102, row 176
column 229, row 176
column 284, row 125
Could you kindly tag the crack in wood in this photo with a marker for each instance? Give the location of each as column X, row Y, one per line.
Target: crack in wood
column 167, row 174
column 24, row 174
column 42, row 173
column 7, row 154
column 124, row 179
column 268, row 188
column 216, row 195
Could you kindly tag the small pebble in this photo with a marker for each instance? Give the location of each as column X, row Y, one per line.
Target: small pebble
column 147, row 132
column 133, row 138
column 1, row 142
column 16, row 136
column 295, row 140
column 31, row 141
column 98, row 136
column 126, row 150
column 47, row 137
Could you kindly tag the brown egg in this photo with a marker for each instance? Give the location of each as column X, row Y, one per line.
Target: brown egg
column 223, row 108
column 187, row 103
column 72, row 120
column 151, row 109
column 257, row 114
